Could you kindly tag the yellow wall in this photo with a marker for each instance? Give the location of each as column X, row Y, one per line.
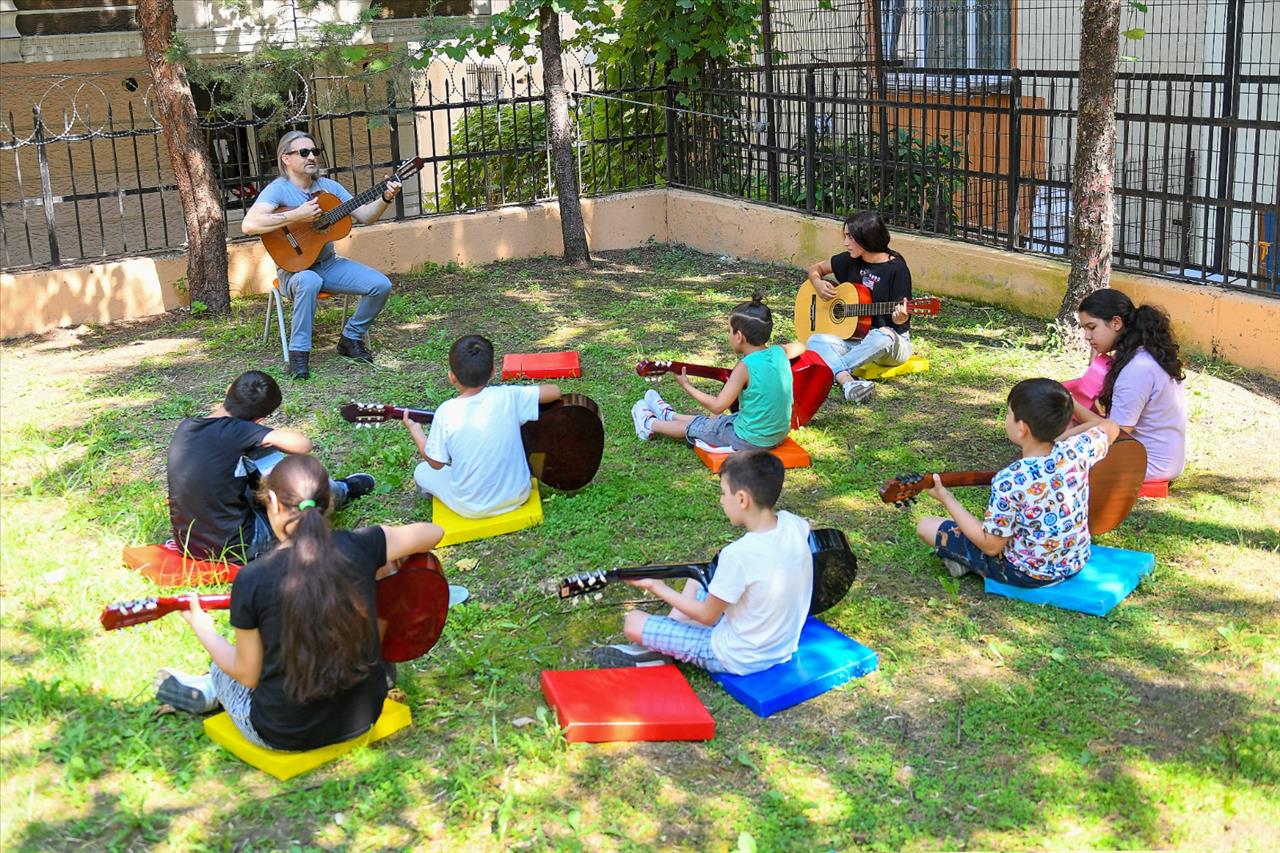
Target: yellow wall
column 1239, row 327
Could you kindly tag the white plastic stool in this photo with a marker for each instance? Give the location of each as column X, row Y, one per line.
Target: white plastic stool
column 275, row 299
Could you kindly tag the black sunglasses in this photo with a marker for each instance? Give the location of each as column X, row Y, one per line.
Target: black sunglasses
column 305, row 152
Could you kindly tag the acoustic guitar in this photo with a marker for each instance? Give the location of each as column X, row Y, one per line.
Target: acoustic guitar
column 295, row 247
column 564, row 445
column 413, row 603
column 834, row 569
column 849, row 314
column 1113, row 484
column 810, row 381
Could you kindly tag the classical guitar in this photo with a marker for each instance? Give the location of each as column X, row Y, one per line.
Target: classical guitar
column 849, row 314
column 413, row 603
column 1113, row 484
column 295, row 247
column 834, row 569
column 810, row 381
column 564, row 445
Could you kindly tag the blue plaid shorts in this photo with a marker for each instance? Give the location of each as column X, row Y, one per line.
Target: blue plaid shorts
column 684, row 641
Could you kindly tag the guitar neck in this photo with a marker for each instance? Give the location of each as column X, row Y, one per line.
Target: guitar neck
column 964, row 478
column 868, row 309
column 128, row 613
column 357, row 201
column 720, row 374
column 421, row 416
column 591, row 581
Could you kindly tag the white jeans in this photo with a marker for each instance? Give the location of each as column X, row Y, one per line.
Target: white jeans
column 881, row 345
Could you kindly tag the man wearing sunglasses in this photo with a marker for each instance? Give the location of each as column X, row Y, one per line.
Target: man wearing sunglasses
column 299, row 181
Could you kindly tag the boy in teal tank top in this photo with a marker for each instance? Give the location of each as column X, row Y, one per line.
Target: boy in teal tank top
column 761, row 383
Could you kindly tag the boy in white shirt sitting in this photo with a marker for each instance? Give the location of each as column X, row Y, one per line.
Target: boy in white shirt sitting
column 475, row 460
column 750, row 617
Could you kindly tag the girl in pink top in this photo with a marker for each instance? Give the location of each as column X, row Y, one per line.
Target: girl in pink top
column 1142, row 389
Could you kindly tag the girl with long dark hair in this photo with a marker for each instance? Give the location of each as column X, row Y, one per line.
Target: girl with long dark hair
column 868, row 260
column 305, row 669
column 1142, row 390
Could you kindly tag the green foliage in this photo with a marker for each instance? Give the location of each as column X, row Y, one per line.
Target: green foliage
column 522, row 171
column 913, row 177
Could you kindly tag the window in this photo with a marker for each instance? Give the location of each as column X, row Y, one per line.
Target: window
column 948, row 33
column 484, row 82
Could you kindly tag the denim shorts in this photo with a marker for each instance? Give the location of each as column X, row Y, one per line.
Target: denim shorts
column 951, row 544
column 717, row 431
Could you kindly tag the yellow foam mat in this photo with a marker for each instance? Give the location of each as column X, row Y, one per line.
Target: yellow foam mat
column 284, row 765
column 915, row 364
column 458, row 529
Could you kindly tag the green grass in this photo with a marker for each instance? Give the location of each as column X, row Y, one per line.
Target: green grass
column 990, row 724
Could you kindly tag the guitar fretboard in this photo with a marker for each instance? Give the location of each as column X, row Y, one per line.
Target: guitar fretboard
column 864, row 309
column 357, row 201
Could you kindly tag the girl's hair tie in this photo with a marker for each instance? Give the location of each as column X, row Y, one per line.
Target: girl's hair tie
column 307, row 504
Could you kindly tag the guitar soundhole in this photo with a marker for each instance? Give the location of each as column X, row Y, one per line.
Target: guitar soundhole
column 837, row 309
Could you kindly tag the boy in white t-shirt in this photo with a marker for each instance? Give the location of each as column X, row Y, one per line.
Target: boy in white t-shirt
column 475, row 460
column 750, row 617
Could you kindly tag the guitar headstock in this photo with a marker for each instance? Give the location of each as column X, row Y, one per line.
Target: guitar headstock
column 582, row 584
column 127, row 613
column 924, row 305
column 409, row 168
column 367, row 414
column 903, row 490
column 653, row 368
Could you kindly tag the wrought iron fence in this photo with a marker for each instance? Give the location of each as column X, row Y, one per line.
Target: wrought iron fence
column 86, row 176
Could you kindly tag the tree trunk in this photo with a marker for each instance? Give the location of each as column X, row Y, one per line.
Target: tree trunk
column 192, row 168
column 560, row 135
column 1093, row 173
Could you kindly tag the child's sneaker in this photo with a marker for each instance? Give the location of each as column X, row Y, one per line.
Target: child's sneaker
column 359, row 485
column 956, row 569
column 641, row 416
column 191, row 693
column 858, row 390
column 660, row 407
column 627, row 654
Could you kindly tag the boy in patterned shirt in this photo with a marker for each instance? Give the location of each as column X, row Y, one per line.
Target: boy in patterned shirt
column 1036, row 528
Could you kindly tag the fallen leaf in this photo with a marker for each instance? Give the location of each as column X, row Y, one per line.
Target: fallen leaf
column 521, row 722
column 466, row 565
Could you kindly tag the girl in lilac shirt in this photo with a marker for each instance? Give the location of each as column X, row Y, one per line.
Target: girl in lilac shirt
column 1143, row 387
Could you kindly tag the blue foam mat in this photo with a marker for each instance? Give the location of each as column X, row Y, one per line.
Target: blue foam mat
column 1105, row 581
column 826, row 659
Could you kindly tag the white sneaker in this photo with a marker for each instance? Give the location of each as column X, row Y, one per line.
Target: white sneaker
column 627, row 654
column 641, row 416
column 660, row 407
column 858, row 390
column 191, row 693
column 955, row 569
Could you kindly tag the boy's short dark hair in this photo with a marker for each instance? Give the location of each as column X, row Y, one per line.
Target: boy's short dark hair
column 471, row 360
column 1044, row 405
column 252, row 395
column 754, row 320
column 757, row 473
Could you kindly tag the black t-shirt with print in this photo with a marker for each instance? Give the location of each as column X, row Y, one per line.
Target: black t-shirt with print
column 890, row 281
column 209, row 506
column 256, row 603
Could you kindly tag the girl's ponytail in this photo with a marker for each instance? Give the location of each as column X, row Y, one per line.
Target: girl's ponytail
column 753, row 319
column 328, row 631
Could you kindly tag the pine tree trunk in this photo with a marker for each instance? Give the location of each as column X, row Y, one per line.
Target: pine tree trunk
column 1093, row 173
column 560, row 135
column 192, row 168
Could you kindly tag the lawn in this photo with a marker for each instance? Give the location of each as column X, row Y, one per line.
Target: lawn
column 990, row 724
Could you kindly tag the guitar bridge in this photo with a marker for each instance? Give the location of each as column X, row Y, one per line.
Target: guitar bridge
column 293, row 242
column 813, row 313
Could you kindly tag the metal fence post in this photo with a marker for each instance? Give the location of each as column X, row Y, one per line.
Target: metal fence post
column 394, row 124
column 1015, row 158
column 46, row 188
column 669, row 116
column 810, row 142
column 771, row 132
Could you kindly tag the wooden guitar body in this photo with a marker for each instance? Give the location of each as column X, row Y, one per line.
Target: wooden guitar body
column 810, row 381
column 413, row 603
column 1114, row 484
column 849, row 314
column 296, row 246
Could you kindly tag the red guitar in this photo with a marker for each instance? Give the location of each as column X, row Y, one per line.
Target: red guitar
column 564, row 445
column 412, row 605
column 849, row 314
column 296, row 246
column 810, row 381
column 1113, row 484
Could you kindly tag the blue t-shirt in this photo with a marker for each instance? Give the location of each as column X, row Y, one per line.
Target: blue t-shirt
column 282, row 193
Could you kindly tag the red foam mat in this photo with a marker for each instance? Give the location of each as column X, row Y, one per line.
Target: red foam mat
column 1154, row 489
column 541, row 365
column 168, row 567
column 626, row 704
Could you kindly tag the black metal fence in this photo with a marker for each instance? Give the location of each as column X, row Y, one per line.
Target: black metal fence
column 86, row 175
